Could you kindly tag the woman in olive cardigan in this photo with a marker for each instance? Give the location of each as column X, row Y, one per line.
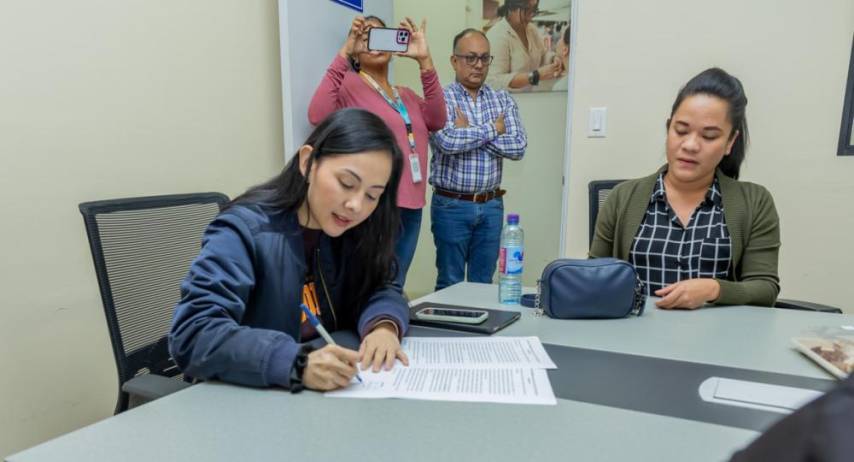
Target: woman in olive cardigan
column 694, row 232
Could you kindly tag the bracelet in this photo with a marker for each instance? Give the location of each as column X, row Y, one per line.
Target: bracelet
column 297, row 370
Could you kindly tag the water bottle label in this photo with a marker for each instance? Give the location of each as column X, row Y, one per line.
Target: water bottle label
column 510, row 260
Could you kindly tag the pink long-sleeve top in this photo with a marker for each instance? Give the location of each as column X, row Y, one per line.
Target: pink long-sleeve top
column 342, row 87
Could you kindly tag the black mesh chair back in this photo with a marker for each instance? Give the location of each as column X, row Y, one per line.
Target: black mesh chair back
column 142, row 248
column 597, row 193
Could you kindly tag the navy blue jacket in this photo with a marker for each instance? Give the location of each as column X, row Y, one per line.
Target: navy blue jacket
column 239, row 318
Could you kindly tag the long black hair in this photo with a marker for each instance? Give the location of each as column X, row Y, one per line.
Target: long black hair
column 512, row 5
column 346, row 132
column 717, row 82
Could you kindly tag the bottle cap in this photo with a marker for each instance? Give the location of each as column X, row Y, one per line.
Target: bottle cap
column 513, row 218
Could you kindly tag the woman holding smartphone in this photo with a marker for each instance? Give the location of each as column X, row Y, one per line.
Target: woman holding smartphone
column 694, row 232
column 320, row 234
column 358, row 77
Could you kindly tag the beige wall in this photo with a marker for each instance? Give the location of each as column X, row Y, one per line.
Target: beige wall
column 792, row 57
column 102, row 99
column 444, row 19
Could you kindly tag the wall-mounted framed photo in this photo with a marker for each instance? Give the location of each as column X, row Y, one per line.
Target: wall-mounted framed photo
column 530, row 44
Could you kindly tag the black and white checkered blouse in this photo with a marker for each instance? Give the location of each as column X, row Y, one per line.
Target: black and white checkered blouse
column 664, row 251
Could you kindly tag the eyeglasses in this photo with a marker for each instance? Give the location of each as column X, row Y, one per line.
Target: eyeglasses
column 471, row 60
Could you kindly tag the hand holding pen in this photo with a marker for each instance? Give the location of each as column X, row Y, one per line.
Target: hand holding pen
column 330, row 367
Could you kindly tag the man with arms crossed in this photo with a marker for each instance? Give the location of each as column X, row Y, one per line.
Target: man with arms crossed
column 465, row 171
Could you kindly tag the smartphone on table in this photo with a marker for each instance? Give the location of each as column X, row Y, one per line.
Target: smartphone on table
column 464, row 316
column 385, row 39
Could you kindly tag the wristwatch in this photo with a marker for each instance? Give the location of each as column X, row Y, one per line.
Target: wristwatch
column 298, row 368
column 534, row 77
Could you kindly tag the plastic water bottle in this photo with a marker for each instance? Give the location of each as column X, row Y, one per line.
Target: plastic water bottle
column 510, row 258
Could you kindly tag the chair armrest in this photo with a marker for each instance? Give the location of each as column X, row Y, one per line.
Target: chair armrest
column 805, row 306
column 149, row 387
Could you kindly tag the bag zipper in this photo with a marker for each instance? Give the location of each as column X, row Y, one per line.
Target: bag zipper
column 538, row 310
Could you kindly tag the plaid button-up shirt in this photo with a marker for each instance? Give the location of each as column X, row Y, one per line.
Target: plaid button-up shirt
column 468, row 159
column 664, row 251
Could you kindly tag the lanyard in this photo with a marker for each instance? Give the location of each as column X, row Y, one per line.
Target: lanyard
column 397, row 105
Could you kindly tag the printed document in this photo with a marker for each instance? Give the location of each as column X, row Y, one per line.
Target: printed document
column 496, row 370
column 477, row 352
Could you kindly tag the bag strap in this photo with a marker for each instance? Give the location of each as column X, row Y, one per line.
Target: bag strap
column 640, row 297
column 529, row 300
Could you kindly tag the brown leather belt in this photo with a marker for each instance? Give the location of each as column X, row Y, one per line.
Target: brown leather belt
column 478, row 198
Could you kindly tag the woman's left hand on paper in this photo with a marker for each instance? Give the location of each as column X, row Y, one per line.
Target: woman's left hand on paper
column 380, row 348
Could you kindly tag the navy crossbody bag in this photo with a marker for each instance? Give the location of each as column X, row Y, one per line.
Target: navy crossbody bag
column 594, row 288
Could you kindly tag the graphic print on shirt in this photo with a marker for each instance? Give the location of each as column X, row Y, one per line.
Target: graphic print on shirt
column 309, row 298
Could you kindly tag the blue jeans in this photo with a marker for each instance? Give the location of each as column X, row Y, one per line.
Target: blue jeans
column 465, row 233
column 407, row 240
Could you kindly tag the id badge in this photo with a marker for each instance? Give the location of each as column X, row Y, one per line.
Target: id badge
column 415, row 167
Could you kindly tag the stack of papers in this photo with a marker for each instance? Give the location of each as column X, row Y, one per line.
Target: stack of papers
column 480, row 369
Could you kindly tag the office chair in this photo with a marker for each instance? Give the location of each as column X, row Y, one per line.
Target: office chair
column 598, row 191
column 142, row 248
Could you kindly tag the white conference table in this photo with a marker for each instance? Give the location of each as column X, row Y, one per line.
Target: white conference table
column 215, row 421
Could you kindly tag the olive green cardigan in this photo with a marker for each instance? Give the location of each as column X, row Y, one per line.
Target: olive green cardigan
column 751, row 219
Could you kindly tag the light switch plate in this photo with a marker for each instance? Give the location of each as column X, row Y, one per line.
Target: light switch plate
column 597, row 126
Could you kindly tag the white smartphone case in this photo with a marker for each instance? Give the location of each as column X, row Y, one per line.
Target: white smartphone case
column 383, row 39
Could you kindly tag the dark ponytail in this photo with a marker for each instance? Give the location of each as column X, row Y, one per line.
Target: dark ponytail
column 511, row 5
column 717, row 82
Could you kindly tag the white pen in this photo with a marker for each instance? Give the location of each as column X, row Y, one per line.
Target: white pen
column 320, row 330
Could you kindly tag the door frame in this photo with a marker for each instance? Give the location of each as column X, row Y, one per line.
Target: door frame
column 567, row 154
